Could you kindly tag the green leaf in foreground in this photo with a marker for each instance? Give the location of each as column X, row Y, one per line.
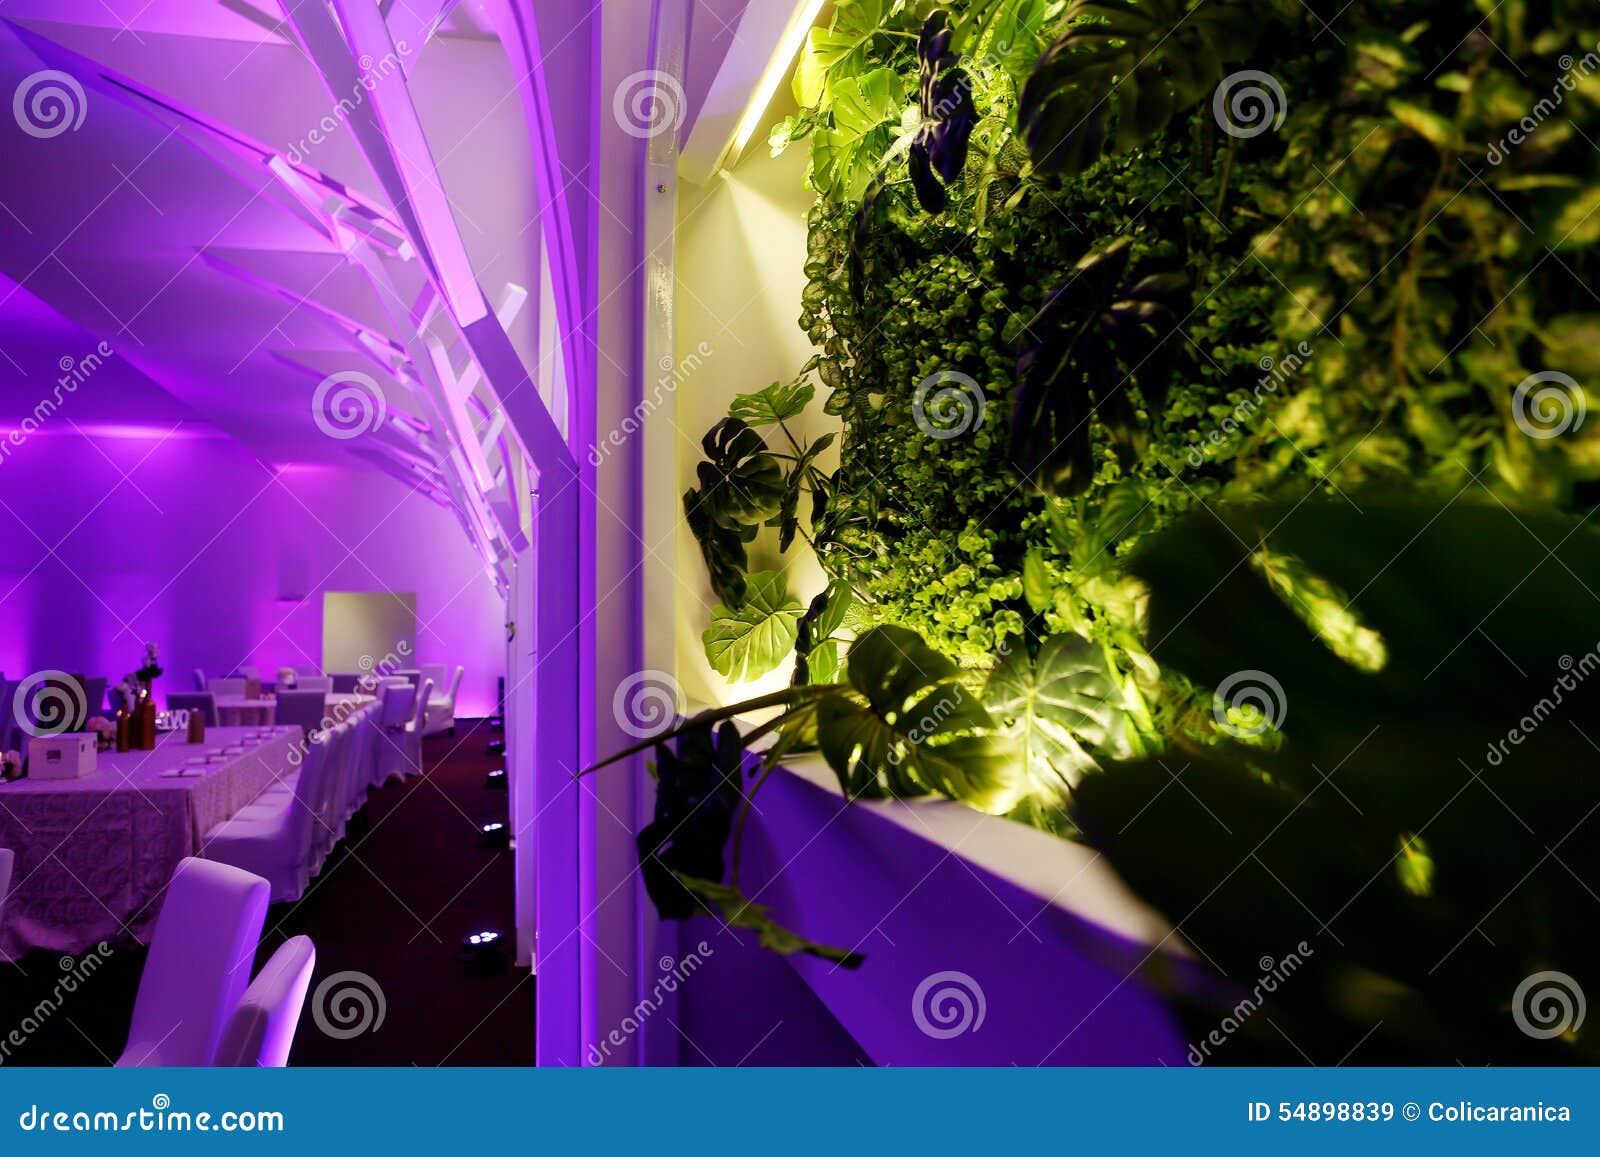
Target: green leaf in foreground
column 747, row 643
column 742, row 913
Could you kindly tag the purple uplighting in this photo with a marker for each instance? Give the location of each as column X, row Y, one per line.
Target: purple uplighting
column 967, row 534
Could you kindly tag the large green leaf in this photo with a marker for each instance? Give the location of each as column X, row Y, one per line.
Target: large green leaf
column 1141, row 62
column 746, row 643
column 1053, row 704
column 831, row 54
column 740, row 482
column 913, row 727
column 777, row 403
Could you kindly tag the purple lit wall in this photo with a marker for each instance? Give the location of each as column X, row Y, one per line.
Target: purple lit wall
column 126, row 533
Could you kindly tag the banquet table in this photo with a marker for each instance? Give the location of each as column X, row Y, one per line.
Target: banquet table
column 237, row 711
column 94, row 855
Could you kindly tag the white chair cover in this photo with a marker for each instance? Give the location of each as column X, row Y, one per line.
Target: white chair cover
column 323, row 683
column 199, row 963
column 225, row 687
column 415, row 729
column 261, row 1030
column 442, row 710
column 279, row 836
column 7, row 859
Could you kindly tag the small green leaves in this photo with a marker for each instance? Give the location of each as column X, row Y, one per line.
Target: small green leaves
column 745, row 643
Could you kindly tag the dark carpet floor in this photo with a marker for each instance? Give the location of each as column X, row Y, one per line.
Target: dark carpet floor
column 389, row 912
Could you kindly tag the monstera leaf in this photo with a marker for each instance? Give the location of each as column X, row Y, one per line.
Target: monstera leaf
column 1145, row 61
column 745, row 643
column 1075, row 357
column 1053, row 704
column 721, row 547
column 816, row 650
column 741, row 484
column 777, row 403
column 911, row 727
column 1424, row 823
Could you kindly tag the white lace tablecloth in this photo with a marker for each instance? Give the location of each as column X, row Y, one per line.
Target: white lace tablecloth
column 237, row 711
column 94, row 855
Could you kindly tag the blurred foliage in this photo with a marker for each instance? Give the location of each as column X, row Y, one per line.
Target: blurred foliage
column 1429, row 876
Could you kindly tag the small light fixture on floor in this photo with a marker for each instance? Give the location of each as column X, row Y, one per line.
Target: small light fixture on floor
column 496, row 779
column 497, row 747
column 495, row 834
column 483, row 954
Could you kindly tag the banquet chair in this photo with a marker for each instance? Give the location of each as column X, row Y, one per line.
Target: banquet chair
column 59, row 697
column 203, row 701
column 438, row 672
column 397, row 704
column 94, row 693
column 7, row 859
column 305, row 709
column 279, row 837
column 199, row 679
column 358, row 769
column 199, row 963
column 313, row 683
column 344, row 683
column 306, row 669
column 231, row 686
column 412, row 741
column 261, row 1030
column 441, row 716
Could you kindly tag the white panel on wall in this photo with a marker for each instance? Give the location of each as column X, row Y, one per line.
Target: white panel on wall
column 368, row 630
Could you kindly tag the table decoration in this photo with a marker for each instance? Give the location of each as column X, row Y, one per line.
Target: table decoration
column 11, row 765
column 66, row 755
column 104, row 732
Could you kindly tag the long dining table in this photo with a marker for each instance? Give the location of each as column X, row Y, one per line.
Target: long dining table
column 94, row 854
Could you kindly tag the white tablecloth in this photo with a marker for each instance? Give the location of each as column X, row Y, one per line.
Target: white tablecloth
column 94, row 855
column 237, row 711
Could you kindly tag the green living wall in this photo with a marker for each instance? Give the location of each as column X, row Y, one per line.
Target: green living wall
column 1078, row 268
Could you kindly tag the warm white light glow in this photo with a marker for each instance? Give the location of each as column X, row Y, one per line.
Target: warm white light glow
column 777, row 68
